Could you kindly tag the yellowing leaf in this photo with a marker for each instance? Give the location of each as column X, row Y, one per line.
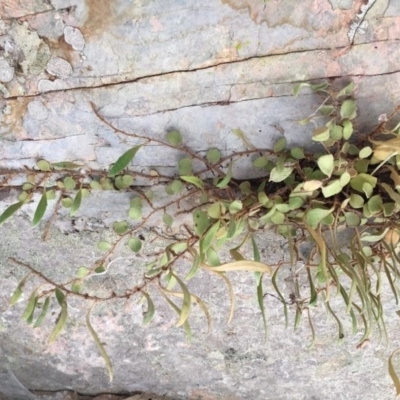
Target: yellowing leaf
column 312, row 185
column 99, row 345
column 393, row 373
column 62, row 319
column 124, row 160
column 244, row 265
column 18, row 291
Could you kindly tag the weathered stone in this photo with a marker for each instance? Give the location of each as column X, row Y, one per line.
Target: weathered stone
column 6, row 71
column 203, row 68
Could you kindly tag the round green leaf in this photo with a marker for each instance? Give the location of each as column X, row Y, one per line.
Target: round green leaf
column 352, row 219
column 344, row 178
column 43, row 165
column 66, row 202
column 321, row 134
column 103, row 246
column 260, row 162
column 347, row 129
column 235, row 206
column 280, row 175
column 214, row 211
column 135, row 244
column 365, row 152
column 135, row 213
column 297, row 153
column 168, row 220
column 333, row 188
column 277, row 218
column 122, row 182
column 51, row 194
column 77, row 287
column 27, row 186
column 185, row 166
column 200, row 221
column 136, row 202
column 69, row 183
column 348, row 109
column 82, row 272
column 280, row 145
column 175, row 187
column 316, row 215
column 174, row 138
column 326, row 164
column 375, row 204
column 213, row 156
column 22, row 196
column 95, row 185
column 336, row 132
column 120, row 227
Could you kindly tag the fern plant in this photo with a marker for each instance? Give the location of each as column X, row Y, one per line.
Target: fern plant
column 351, row 182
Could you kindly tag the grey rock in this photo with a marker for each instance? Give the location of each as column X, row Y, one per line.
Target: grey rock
column 6, row 71
column 37, row 110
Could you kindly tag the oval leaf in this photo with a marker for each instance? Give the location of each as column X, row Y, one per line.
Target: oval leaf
column 76, row 203
column 174, row 138
column 194, row 180
column 124, row 161
column 135, row 244
column 41, row 209
column 10, row 211
column 325, row 164
column 62, row 319
column 227, row 178
column 185, row 166
column 213, row 156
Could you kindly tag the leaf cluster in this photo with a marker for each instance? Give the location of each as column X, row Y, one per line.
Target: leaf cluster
column 351, row 182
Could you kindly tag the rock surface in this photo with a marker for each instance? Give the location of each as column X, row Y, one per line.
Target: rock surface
column 204, row 68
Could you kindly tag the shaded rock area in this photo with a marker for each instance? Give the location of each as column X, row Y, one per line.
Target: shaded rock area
column 203, row 68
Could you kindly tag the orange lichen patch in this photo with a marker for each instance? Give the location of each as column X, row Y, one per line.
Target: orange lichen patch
column 61, row 48
column 100, row 16
column 12, row 122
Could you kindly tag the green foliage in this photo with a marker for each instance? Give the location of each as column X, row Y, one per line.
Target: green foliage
column 352, row 182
